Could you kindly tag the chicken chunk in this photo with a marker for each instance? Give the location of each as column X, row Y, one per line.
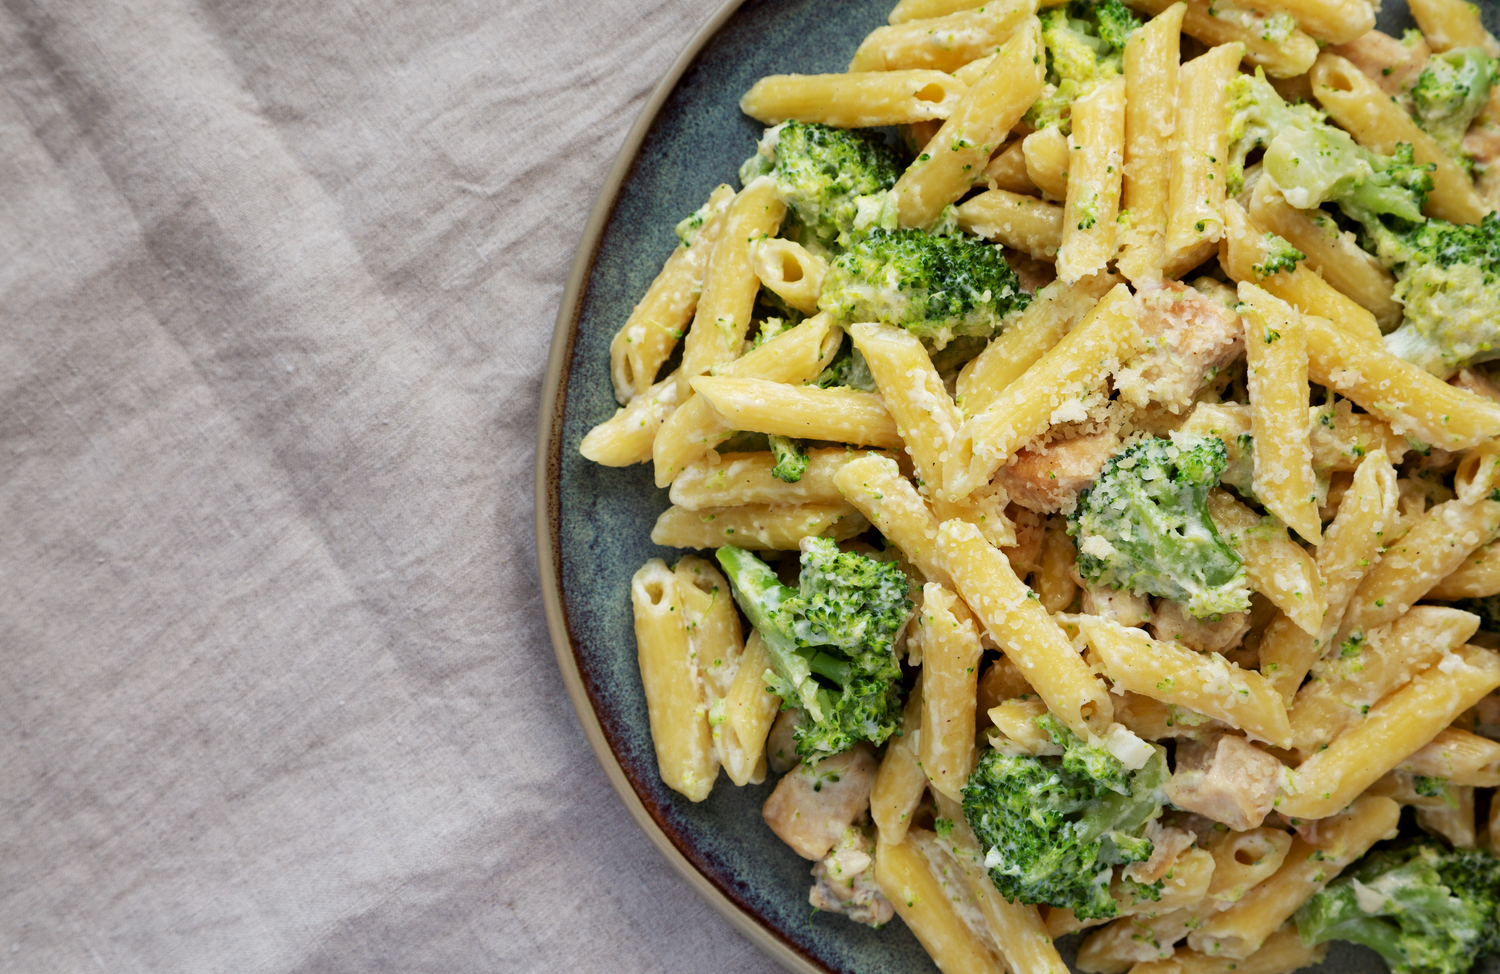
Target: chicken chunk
column 1118, row 604
column 1167, row 843
column 1390, row 63
column 1189, row 338
column 844, row 882
column 1226, row 780
column 1047, row 477
column 813, row 804
column 1171, row 625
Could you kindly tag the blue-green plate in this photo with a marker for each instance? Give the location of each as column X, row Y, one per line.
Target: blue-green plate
column 594, row 523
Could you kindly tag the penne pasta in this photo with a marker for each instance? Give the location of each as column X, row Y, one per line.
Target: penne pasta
column 925, row 417
column 745, row 478
column 923, row 905
column 749, row 710
column 1275, row 566
column 900, row 782
column 1271, row 42
column 1023, row 223
column 761, row 406
column 1447, row 24
column 943, row 43
column 950, row 676
column 1151, row 68
column 757, row 527
column 857, row 100
column 626, row 437
column 1045, row 152
column 1195, row 198
column 1095, row 161
column 789, row 271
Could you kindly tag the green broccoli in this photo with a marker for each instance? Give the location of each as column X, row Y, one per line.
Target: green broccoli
column 1256, row 114
column 1280, row 256
column 791, row 458
column 831, row 641
column 848, row 368
column 1052, row 827
column 936, row 287
column 1451, row 90
column 1085, row 43
column 1426, row 909
column 1144, row 526
column 822, row 172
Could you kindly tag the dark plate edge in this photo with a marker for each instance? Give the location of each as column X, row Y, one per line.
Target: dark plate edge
column 545, row 499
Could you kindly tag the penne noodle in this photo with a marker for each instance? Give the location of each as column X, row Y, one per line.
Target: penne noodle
column 749, row 711
column 955, row 158
column 858, row 100
column 1095, row 161
column 1022, row 223
column 1007, row 170
column 950, row 676
column 1276, row 566
column 808, row 412
column 1045, row 152
column 923, row 905
column 787, row 269
column 756, row 527
column 900, row 781
column 1273, row 43
column 1151, row 69
column 746, row 478
column 874, row 486
column 662, row 316
column 1196, row 193
column 1280, row 953
column 927, row 9
column 1328, row 21
column 1458, row 757
column 626, row 437
column 913, row 393
column 943, row 43
column 1477, row 578
column 1447, row 24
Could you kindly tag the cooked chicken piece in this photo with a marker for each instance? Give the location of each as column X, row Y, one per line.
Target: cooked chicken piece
column 1026, row 554
column 1167, row 843
column 1226, row 780
column 1047, row 477
column 1123, row 606
column 813, row 804
column 1390, row 63
column 1171, row 625
column 1189, row 338
column 844, row 882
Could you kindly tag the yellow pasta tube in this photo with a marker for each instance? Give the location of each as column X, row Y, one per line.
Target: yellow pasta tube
column 1053, row 310
column 789, row 271
column 728, row 299
column 1276, row 355
column 1282, row 49
column 1023, row 223
column 950, row 675
column 1394, row 728
column 1054, row 583
column 1199, row 161
column 809, row 412
column 900, row 781
column 749, row 710
column 1477, row 578
column 913, row 393
column 927, row 9
column 862, row 100
column 685, row 754
column 944, row 43
column 1311, row 864
column 795, row 355
column 663, row 314
column 627, row 436
column 1095, row 161
column 1276, row 566
column 757, row 527
column 904, row 877
column 716, row 647
column 1378, row 123
column 1203, row 682
column 1069, row 370
column 955, row 158
column 746, row 478
column 1329, row 21
column 1024, row 630
column 1447, row 24
column 1430, row 551
column 874, row 485
column 1347, row 684
column 1151, row 67
column 1459, row 757
column 1281, row 953
column 1007, row 170
column 1413, row 401
column 1244, row 248
column 1330, row 252
column 1046, row 154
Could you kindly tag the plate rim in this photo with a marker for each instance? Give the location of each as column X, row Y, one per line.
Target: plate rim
column 547, row 522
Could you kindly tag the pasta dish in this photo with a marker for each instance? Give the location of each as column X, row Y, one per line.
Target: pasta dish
column 1085, row 470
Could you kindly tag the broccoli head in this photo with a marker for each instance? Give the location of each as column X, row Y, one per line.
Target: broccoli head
column 936, row 287
column 848, row 368
column 1144, row 526
column 1451, row 90
column 1052, row 827
column 1448, row 280
column 1085, row 44
column 821, row 173
column 831, row 641
column 1426, row 909
column 1280, row 256
column 791, row 458
column 1256, row 114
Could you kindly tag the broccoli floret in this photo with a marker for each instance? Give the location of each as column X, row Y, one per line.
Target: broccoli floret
column 791, row 458
column 1424, row 908
column 1052, row 827
column 831, row 641
column 1280, row 256
column 1451, row 90
column 1085, row 43
column 1256, row 114
column 1447, row 277
column 1144, row 526
column 848, row 368
column 822, row 172
column 935, row 287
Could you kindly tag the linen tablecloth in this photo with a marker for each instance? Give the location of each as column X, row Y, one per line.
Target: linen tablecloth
column 278, row 280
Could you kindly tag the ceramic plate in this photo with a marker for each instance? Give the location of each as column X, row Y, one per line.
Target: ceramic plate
column 593, row 523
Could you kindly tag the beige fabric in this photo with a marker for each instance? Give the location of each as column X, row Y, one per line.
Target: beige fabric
column 277, row 282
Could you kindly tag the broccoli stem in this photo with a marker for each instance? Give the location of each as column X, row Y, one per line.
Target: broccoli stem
column 759, row 594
